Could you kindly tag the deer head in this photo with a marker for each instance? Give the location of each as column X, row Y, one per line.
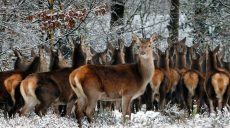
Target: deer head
column 21, row 62
column 211, row 58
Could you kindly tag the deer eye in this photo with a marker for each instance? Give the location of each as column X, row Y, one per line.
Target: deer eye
column 149, row 45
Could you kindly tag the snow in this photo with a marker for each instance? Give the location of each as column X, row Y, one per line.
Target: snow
column 171, row 117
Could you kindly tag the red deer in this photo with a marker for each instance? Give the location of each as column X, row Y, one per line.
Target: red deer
column 22, row 62
column 159, row 80
column 117, row 57
column 104, row 57
column 9, row 87
column 176, row 65
column 131, row 57
column 183, row 64
column 225, row 65
column 193, row 83
column 40, row 90
column 222, row 63
column 111, row 82
column 14, row 90
column 216, row 81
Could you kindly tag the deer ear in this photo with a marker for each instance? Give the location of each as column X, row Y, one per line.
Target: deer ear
column 135, row 38
column 183, row 41
column 17, row 53
column 167, row 53
column 221, row 55
column 197, row 55
column 100, row 60
column 196, row 45
column 110, row 46
column 153, row 37
column 202, row 57
column 60, row 56
column 159, row 51
column 33, row 54
column 216, row 49
column 155, row 55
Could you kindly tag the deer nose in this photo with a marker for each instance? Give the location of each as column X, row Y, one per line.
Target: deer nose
column 142, row 53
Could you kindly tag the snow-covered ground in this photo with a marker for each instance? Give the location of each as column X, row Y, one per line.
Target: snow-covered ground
column 168, row 118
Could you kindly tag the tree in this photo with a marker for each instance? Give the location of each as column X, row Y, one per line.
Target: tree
column 173, row 26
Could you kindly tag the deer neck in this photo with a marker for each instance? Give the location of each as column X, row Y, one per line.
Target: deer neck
column 164, row 63
column 129, row 55
column 203, row 67
column 78, row 57
column 211, row 63
column 189, row 59
column 146, row 68
column 181, row 61
column 195, row 65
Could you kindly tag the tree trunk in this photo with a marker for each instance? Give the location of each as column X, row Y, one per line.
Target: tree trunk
column 200, row 29
column 117, row 14
column 173, row 26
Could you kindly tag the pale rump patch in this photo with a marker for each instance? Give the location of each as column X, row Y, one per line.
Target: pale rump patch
column 220, row 82
column 157, row 79
column 156, row 82
column 76, row 85
column 191, row 80
column 11, row 83
column 174, row 78
column 27, row 89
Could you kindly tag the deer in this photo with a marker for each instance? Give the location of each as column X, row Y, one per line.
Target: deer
column 41, row 90
column 225, row 65
column 193, row 83
column 9, row 86
column 14, row 88
column 111, row 82
column 130, row 57
column 104, row 57
column 216, row 81
column 117, row 57
column 159, row 81
column 221, row 63
column 22, row 63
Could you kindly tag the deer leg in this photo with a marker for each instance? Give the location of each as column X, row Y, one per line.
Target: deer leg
column 26, row 109
column 126, row 107
column 211, row 106
column 62, row 110
column 69, row 107
column 220, row 103
column 80, row 108
column 118, row 105
column 199, row 104
column 90, row 107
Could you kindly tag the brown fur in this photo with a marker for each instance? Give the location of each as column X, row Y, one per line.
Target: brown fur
column 191, row 80
column 11, row 83
column 103, row 82
column 41, row 90
column 174, row 78
column 9, row 90
column 157, row 78
column 220, row 83
column 156, row 84
column 216, row 81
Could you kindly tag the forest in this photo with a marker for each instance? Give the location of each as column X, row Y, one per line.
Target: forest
column 46, row 41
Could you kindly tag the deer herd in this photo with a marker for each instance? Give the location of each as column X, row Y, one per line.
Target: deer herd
column 121, row 77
